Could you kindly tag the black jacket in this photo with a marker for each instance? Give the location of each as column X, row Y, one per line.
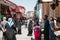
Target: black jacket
column 30, row 26
column 18, row 24
column 46, row 30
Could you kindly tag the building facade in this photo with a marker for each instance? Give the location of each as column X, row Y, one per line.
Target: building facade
column 47, row 10
column 20, row 11
column 7, row 7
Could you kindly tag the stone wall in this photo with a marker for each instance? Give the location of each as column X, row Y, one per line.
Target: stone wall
column 48, row 10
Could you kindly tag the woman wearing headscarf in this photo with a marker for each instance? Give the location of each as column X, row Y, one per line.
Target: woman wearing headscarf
column 51, row 30
column 10, row 34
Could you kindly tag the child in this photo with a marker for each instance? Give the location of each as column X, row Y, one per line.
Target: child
column 37, row 32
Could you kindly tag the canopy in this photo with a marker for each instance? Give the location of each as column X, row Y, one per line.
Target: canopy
column 1, row 16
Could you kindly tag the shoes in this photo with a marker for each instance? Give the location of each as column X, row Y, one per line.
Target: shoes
column 19, row 33
column 29, row 35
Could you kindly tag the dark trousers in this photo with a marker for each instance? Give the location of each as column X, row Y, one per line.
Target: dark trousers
column 46, row 34
column 30, row 32
column 14, row 38
column 19, row 31
column 7, row 38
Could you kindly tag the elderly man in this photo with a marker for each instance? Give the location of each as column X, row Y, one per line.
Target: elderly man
column 1, row 33
column 3, row 23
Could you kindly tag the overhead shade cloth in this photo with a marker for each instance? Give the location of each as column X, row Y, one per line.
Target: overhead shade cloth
column 1, row 16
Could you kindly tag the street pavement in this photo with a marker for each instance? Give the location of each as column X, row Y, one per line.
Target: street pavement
column 23, row 36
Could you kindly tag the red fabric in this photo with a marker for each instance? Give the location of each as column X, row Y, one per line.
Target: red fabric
column 13, row 10
column 37, row 34
column 37, row 38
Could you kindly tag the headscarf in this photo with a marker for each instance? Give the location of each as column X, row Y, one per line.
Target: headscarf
column 37, row 28
column 10, row 22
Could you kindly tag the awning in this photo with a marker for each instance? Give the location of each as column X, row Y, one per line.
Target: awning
column 8, row 4
column 1, row 16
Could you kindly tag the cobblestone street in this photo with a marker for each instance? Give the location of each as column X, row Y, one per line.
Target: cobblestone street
column 23, row 36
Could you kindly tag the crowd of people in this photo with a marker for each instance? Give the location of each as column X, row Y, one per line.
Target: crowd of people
column 50, row 25
column 12, row 27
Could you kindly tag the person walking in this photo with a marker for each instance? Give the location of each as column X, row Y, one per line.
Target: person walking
column 51, row 30
column 9, row 33
column 1, row 29
column 30, row 28
column 46, row 27
column 3, row 23
column 35, row 18
column 18, row 26
column 37, row 31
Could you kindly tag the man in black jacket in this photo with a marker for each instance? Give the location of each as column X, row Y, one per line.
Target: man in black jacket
column 46, row 28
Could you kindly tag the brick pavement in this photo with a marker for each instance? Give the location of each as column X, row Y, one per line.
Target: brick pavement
column 23, row 36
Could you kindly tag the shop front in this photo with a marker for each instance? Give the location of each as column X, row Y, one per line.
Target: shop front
column 7, row 8
column 20, row 11
column 48, row 7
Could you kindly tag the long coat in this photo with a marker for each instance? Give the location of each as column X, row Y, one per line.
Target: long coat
column 18, row 24
column 46, row 30
column 10, row 34
column 51, row 30
column 30, row 26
